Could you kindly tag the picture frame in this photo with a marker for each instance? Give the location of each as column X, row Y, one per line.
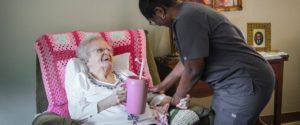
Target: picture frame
column 227, row 5
column 221, row 5
column 259, row 36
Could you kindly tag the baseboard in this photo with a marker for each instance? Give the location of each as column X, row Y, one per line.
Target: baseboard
column 285, row 117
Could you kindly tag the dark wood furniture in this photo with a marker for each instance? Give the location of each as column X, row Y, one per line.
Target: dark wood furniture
column 278, row 65
column 201, row 89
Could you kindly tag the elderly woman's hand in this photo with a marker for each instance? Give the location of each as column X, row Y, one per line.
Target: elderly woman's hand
column 117, row 97
column 119, row 94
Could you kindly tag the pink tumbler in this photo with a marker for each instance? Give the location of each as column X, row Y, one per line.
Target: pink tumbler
column 136, row 95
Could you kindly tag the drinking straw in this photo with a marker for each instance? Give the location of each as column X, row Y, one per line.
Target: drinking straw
column 141, row 69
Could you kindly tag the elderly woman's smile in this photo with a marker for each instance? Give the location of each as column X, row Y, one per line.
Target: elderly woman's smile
column 99, row 60
column 106, row 58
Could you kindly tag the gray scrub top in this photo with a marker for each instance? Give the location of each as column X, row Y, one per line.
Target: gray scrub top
column 201, row 32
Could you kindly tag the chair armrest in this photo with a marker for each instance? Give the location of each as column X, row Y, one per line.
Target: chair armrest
column 49, row 118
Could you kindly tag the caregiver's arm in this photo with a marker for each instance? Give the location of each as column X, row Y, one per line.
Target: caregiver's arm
column 172, row 78
column 191, row 74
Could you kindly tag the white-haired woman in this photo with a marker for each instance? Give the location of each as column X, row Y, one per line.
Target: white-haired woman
column 95, row 93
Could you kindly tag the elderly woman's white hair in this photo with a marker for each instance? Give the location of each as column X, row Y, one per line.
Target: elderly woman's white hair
column 82, row 50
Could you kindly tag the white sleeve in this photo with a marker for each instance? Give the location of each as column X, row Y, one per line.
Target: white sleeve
column 76, row 85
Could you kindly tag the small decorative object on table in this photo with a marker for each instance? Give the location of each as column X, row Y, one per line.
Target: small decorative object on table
column 274, row 55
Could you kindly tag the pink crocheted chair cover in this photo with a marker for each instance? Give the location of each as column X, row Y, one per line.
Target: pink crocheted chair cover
column 54, row 51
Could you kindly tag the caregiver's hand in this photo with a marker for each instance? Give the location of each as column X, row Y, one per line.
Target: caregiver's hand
column 160, row 88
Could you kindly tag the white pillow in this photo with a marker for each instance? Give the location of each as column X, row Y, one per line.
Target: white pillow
column 121, row 62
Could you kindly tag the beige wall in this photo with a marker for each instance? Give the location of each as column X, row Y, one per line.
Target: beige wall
column 22, row 21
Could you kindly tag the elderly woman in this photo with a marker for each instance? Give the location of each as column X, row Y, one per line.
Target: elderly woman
column 95, row 94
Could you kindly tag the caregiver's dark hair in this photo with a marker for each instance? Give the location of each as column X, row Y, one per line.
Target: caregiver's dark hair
column 147, row 6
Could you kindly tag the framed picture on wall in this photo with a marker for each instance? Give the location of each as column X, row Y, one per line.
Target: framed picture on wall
column 221, row 5
column 259, row 36
column 227, row 5
column 206, row 2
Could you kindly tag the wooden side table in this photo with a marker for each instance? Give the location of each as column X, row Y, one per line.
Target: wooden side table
column 278, row 65
column 201, row 89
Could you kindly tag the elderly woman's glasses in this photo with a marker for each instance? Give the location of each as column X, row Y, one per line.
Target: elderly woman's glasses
column 101, row 50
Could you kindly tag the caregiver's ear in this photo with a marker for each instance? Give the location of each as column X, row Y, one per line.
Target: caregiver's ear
column 159, row 11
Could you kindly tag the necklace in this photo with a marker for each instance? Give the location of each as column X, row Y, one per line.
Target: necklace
column 104, row 84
